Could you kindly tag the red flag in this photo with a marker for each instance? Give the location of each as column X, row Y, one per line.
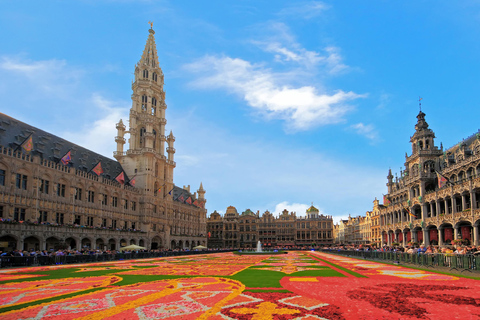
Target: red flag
column 386, row 202
column 121, row 178
column 27, row 145
column 132, row 181
column 409, row 212
column 195, row 203
column 209, row 234
column 181, row 198
column 442, row 181
column 98, row 169
column 66, row 158
column 189, row 200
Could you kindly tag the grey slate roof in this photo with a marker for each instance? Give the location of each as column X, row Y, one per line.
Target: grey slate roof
column 50, row 147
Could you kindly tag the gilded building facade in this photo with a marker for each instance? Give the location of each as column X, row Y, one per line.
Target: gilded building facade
column 244, row 230
column 55, row 194
column 436, row 199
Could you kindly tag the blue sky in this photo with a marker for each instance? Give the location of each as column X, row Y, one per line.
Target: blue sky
column 274, row 104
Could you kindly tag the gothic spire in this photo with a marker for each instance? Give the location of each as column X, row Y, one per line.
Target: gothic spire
column 149, row 56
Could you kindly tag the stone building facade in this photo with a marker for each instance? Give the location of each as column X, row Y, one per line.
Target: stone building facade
column 246, row 229
column 436, row 199
column 55, row 194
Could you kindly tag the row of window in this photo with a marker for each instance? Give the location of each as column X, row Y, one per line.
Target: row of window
column 59, row 189
column 19, row 214
column 154, row 75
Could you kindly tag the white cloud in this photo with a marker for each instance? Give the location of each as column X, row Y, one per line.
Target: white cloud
column 366, row 130
column 47, row 77
column 62, row 93
column 384, row 100
column 305, row 10
column 301, row 107
column 299, row 208
column 262, row 175
column 99, row 136
column 279, row 40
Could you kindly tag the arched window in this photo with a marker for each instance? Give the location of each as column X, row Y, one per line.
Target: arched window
column 145, row 74
column 154, row 105
column 154, row 138
column 142, row 137
column 154, row 77
column 144, row 103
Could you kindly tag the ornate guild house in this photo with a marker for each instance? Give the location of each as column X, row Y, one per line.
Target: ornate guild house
column 55, row 194
column 244, row 230
column 436, row 199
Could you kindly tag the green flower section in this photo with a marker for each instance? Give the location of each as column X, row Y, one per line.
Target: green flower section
column 255, row 278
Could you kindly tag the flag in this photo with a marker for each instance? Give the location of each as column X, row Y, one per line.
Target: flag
column 98, row 168
column 442, row 181
column 209, row 234
column 189, row 200
column 181, row 198
column 170, row 192
column 195, row 203
column 121, row 178
column 66, row 158
column 132, row 181
column 159, row 190
column 27, row 145
column 386, row 202
column 409, row 212
column 202, row 204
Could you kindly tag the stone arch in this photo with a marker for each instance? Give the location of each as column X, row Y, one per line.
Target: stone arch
column 52, row 243
column 180, row 244
column 112, row 244
column 141, row 243
column 72, row 242
column 447, row 232
column 464, row 230
column 417, row 211
column 11, row 241
column 133, row 241
column 187, row 244
column 86, row 243
column 123, row 243
column 100, row 244
column 156, row 243
column 433, row 234
column 399, row 236
column 173, row 244
column 31, row 243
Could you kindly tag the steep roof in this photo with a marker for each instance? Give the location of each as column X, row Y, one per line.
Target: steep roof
column 13, row 133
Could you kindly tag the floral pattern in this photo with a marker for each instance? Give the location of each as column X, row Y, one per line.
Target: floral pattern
column 214, row 290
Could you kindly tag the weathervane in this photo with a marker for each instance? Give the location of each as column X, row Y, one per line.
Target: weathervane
column 151, row 24
column 420, row 103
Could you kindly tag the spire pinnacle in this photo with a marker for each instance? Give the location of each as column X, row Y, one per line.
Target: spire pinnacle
column 149, row 55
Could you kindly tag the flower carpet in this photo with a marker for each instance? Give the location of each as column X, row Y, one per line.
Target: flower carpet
column 297, row 285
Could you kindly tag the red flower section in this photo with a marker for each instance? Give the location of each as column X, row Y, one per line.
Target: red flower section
column 401, row 298
column 277, row 305
column 385, row 297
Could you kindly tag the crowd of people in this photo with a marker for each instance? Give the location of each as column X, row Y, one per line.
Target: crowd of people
column 412, row 249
